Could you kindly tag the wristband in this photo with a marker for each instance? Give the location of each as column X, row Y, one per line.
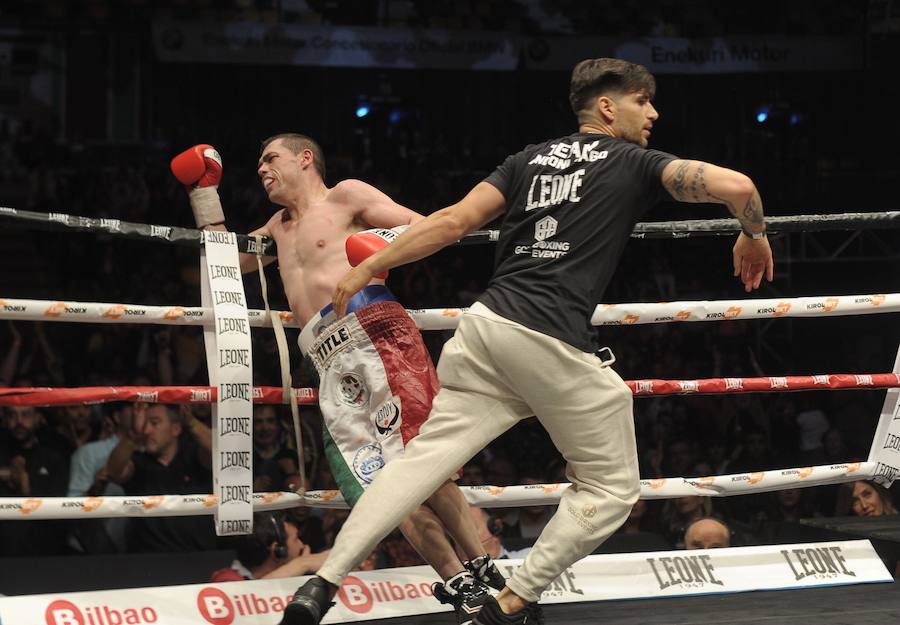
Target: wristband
column 756, row 236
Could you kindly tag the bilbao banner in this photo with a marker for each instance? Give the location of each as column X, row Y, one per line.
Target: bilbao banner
column 407, row 591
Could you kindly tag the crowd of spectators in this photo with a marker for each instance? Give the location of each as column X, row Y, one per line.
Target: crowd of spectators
column 122, row 449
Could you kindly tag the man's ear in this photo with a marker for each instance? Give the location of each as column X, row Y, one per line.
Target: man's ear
column 306, row 158
column 606, row 108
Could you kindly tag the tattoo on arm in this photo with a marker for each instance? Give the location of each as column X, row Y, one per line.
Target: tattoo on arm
column 753, row 210
column 707, row 196
column 676, row 186
column 689, row 183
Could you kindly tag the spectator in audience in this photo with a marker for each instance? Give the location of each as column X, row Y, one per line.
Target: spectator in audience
column 274, row 465
column 11, row 355
column 155, row 457
column 865, row 498
column 88, row 478
column 490, row 532
column 29, row 468
column 680, row 512
column 528, row 521
column 707, row 533
column 786, row 508
column 473, row 474
column 644, row 518
column 273, row 550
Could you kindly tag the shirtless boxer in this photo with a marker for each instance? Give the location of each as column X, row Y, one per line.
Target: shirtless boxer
column 371, row 409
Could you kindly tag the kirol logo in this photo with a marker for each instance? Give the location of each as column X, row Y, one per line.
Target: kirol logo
column 545, row 228
column 352, row 390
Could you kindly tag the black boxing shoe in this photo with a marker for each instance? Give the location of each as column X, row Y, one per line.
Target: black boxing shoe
column 486, row 572
column 309, row 605
column 464, row 593
column 491, row 614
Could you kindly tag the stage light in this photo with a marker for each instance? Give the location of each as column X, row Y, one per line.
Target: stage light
column 362, row 111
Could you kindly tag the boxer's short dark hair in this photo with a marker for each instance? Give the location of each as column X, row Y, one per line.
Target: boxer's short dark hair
column 296, row 143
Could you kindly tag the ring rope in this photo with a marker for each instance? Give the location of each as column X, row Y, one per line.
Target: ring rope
column 46, row 396
column 35, row 508
column 448, row 318
column 652, row 230
column 728, row 310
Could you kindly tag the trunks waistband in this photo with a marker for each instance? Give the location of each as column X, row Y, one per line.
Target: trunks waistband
column 371, row 294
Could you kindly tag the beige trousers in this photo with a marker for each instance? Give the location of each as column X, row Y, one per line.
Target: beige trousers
column 495, row 372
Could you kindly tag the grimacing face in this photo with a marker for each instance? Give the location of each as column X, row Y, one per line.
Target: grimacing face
column 279, row 170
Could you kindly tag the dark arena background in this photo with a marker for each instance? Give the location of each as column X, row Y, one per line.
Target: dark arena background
column 423, row 100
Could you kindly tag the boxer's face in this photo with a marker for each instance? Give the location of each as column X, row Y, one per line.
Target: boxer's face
column 279, row 170
column 635, row 115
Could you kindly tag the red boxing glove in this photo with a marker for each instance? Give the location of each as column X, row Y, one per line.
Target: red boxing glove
column 199, row 169
column 363, row 244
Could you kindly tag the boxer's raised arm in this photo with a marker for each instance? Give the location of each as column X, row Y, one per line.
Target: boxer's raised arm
column 199, row 169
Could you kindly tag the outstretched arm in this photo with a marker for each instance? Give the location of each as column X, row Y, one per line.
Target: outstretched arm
column 371, row 208
column 697, row 181
column 435, row 232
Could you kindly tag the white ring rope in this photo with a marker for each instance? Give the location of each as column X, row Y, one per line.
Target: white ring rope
column 35, row 508
column 727, row 310
column 448, row 318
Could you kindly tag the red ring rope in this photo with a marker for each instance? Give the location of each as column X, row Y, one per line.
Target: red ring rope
column 45, row 396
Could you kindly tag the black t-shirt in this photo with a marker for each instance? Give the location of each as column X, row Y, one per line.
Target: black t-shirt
column 571, row 203
column 184, row 475
column 272, row 467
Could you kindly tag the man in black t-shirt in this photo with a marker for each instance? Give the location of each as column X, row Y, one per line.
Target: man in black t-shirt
column 155, row 456
column 29, row 468
column 527, row 346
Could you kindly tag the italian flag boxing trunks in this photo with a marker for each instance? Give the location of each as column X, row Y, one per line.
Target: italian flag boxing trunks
column 376, row 385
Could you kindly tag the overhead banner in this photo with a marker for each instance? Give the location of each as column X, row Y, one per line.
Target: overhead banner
column 717, row 55
column 390, row 593
column 254, row 43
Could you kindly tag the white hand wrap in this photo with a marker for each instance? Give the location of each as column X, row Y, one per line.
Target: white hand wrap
column 206, row 206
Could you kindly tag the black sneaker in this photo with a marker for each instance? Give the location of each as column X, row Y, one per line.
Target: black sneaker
column 486, row 572
column 309, row 605
column 464, row 593
column 491, row 614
